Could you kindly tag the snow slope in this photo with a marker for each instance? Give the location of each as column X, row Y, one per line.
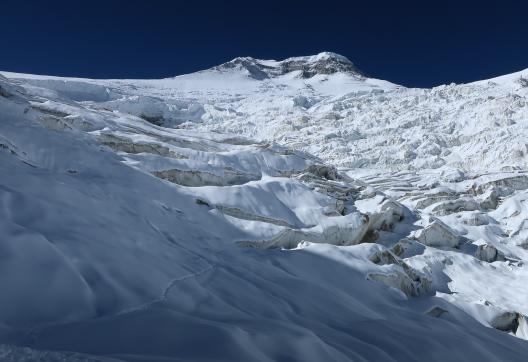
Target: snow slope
column 203, row 216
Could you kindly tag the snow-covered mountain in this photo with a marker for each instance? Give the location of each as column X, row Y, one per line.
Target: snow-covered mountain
column 263, row 210
column 304, row 67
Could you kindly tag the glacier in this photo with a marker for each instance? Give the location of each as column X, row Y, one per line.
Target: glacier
column 263, row 210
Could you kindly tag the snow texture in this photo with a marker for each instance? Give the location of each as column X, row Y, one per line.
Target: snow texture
column 263, row 210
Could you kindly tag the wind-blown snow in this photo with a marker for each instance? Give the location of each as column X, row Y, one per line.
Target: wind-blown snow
column 263, row 210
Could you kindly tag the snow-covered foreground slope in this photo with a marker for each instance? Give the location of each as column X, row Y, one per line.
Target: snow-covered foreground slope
column 138, row 221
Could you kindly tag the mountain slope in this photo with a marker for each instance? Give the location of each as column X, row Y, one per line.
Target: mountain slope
column 139, row 221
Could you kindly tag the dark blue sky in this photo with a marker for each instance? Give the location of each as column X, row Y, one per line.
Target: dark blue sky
column 414, row 43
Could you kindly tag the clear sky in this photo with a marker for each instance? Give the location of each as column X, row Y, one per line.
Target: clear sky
column 414, row 43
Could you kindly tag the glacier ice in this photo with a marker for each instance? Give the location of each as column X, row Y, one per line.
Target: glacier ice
column 269, row 210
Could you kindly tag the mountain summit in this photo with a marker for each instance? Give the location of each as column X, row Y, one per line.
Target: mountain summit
column 306, row 66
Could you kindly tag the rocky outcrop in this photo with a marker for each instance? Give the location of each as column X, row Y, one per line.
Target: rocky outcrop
column 324, row 63
column 321, row 64
column 488, row 253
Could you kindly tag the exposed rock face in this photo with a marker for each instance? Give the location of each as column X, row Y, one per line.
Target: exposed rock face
column 488, row 253
column 323, row 64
